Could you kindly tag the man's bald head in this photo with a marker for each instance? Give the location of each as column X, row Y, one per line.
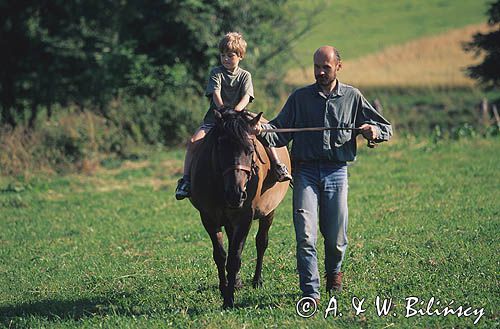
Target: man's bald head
column 326, row 64
column 327, row 53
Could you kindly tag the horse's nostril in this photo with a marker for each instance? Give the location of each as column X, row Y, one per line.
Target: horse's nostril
column 243, row 196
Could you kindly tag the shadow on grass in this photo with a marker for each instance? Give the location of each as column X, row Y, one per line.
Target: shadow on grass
column 55, row 310
column 124, row 305
column 278, row 300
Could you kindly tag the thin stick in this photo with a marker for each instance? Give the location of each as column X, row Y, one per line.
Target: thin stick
column 293, row 130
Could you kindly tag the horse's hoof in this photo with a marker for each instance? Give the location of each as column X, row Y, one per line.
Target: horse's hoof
column 238, row 284
column 228, row 304
column 257, row 283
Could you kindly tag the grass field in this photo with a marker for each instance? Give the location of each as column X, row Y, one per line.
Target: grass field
column 115, row 249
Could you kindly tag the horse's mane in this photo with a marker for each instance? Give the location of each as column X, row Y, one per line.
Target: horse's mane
column 235, row 125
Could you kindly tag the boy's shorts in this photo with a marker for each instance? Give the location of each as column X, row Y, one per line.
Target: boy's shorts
column 206, row 126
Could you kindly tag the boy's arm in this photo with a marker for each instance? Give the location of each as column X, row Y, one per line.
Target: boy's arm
column 243, row 103
column 217, row 98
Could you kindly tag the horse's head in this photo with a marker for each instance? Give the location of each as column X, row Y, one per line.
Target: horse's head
column 235, row 149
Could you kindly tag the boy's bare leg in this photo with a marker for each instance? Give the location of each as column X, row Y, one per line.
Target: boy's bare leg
column 183, row 189
column 187, row 160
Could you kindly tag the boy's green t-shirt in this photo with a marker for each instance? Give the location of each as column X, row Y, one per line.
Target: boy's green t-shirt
column 233, row 86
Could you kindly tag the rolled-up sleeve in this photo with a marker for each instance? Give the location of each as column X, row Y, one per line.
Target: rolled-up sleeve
column 368, row 114
column 247, row 86
column 214, row 83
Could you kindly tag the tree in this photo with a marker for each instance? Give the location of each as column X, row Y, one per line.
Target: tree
column 90, row 52
column 487, row 72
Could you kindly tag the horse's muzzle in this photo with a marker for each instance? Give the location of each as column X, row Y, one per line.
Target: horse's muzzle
column 236, row 200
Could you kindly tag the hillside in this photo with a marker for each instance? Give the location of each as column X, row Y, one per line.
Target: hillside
column 435, row 61
column 363, row 27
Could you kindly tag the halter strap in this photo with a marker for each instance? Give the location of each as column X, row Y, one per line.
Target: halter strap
column 238, row 167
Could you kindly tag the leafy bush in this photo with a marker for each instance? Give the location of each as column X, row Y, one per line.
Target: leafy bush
column 167, row 120
column 463, row 131
column 74, row 141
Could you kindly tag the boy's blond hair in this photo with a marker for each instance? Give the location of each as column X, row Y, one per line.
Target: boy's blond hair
column 233, row 42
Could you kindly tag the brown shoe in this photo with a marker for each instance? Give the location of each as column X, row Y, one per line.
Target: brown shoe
column 316, row 299
column 333, row 282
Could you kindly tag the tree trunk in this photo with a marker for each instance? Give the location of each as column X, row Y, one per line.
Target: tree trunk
column 33, row 115
column 7, row 101
column 49, row 111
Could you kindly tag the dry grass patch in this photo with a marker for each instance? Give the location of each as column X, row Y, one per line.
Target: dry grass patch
column 436, row 61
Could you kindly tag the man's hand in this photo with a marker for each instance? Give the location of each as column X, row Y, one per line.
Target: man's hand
column 257, row 129
column 369, row 132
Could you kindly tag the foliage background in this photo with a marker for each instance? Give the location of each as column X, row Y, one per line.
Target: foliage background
column 92, row 52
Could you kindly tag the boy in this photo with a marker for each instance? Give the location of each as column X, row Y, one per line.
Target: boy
column 228, row 86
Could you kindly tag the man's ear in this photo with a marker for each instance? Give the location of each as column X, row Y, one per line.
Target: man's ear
column 339, row 65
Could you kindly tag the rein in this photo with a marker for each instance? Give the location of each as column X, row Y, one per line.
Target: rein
column 370, row 144
column 293, row 130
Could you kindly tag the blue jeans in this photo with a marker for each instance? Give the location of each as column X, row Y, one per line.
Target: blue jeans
column 319, row 193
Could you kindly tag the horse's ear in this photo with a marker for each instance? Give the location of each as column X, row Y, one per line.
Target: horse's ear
column 256, row 119
column 218, row 115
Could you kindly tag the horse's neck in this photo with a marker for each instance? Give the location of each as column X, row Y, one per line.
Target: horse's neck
column 261, row 157
column 210, row 153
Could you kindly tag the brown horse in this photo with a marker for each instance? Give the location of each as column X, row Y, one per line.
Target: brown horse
column 231, row 185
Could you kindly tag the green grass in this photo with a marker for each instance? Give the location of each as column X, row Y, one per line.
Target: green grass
column 361, row 27
column 114, row 250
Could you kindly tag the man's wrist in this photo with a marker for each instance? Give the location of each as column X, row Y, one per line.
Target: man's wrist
column 378, row 132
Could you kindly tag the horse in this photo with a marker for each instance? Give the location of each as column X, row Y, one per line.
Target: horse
column 231, row 185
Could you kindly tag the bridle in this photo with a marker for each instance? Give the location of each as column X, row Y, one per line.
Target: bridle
column 250, row 170
column 247, row 169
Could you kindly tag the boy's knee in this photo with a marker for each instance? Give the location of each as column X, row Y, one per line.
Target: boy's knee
column 189, row 144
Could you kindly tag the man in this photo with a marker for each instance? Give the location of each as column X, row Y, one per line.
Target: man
column 319, row 162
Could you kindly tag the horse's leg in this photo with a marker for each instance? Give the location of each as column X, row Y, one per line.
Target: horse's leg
column 261, row 242
column 238, row 284
column 219, row 253
column 240, row 233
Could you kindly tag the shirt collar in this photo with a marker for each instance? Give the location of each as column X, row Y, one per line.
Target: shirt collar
column 337, row 91
column 235, row 72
